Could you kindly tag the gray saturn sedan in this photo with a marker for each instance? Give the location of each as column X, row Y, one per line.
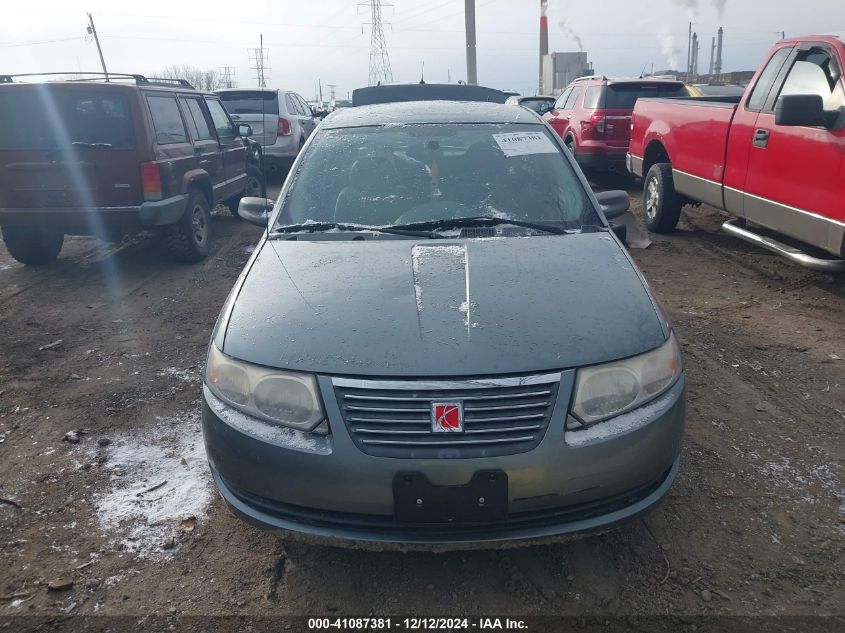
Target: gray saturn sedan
column 440, row 339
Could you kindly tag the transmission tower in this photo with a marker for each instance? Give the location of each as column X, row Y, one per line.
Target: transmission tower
column 228, row 76
column 380, row 71
column 259, row 57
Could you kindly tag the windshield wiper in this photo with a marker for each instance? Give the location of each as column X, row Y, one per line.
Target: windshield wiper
column 86, row 144
column 317, row 227
column 481, row 220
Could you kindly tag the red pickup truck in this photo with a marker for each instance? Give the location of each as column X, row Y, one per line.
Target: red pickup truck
column 773, row 158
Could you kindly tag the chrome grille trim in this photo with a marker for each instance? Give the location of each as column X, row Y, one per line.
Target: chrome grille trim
column 473, row 383
column 392, row 418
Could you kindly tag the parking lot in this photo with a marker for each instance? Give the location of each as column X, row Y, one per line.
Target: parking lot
column 120, row 517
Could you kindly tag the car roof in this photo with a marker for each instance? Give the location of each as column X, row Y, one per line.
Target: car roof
column 414, row 112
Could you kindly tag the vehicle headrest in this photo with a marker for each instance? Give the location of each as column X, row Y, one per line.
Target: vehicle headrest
column 371, row 174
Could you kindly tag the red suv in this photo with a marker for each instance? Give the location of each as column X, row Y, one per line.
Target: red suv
column 593, row 116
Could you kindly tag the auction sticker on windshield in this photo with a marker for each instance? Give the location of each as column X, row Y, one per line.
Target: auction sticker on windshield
column 524, row 143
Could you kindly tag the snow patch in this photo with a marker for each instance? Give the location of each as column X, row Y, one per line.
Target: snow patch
column 278, row 435
column 188, row 375
column 621, row 424
column 159, row 476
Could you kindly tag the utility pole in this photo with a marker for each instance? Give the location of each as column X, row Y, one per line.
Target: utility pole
column 469, row 19
column 380, row 71
column 712, row 54
column 93, row 31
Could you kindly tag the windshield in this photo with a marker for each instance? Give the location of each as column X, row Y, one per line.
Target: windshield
column 378, row 176
column 250, row 102
column 624, row 96
column 37, row 117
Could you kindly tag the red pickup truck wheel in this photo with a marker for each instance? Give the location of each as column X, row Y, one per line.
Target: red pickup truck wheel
column 661, row 203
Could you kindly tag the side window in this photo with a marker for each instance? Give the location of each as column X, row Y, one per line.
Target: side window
column 293, row 106
column 561, row 100
column 306, row 109
column 196, row 120
column 167, row 120
column 225, row 130
column 573, row 98
column 815, row 72
column 592, row 98
column 764, row 83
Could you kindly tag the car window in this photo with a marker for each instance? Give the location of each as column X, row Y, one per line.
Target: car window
column 221, row 120
column 385, row 175
column 306, row 109
column 573, row 98
column 196, row 120
column 815, row 72
column 592, row 97
column 538, row 105
column 758, row 95
column 250, row 102
column 623, row 96
column 167, row 120
column 561, row 100
column 293, row 106
column 39, row 117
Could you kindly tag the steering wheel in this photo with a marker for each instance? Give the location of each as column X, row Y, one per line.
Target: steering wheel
column 433, row 210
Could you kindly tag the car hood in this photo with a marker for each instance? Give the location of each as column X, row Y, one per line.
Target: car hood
column 384, row 307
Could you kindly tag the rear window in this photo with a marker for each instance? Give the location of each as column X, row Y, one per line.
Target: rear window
column 624, row 96
column 250, row 102
column 39, row 117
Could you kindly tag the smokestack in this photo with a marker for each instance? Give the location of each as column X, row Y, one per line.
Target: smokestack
column 694, row 62
column 469, row 19
column 712, row 54
column 544, row 41
column 718, row 68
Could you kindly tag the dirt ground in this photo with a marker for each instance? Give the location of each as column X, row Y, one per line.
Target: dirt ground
column 126, row 513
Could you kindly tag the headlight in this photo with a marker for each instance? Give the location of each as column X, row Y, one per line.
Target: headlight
column 281, row 397
column 605, row 391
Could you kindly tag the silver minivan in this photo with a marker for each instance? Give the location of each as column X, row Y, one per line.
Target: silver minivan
column 281, row 120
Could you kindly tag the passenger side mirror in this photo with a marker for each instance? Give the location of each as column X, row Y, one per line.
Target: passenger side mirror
column 802, row 110
column 613, row 203
column 244, row 129
column 255, row 210
column 544, row 107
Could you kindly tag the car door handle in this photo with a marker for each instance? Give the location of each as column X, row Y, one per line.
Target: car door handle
column 761, row 138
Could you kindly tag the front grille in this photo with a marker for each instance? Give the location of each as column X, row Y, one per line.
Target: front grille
column 502, row 416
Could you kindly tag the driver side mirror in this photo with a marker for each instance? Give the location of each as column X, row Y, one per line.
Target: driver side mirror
column 244, row 129
column 802, row 110
column 613, row 203
column 256, row 210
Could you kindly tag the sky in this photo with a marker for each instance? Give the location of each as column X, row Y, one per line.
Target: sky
column 328, row 41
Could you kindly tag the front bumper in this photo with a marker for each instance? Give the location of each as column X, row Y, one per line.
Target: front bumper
column 328, row 488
